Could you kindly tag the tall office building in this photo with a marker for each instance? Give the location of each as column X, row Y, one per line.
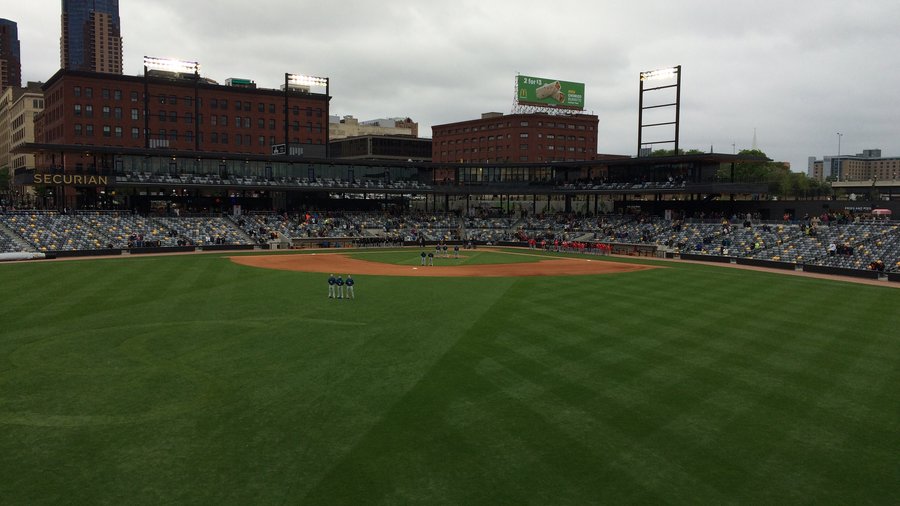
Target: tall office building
column 10, row 57
column 91, row 36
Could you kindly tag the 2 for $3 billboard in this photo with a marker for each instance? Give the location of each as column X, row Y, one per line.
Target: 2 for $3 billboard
column 550, row 92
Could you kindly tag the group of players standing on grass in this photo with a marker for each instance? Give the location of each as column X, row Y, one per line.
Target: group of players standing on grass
column 336, row 287
column 440, row 250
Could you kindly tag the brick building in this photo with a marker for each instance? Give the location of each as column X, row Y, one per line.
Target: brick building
column 531, row 138
column 183, row 113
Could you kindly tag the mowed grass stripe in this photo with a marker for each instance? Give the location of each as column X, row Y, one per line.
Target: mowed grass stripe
column 206, row 382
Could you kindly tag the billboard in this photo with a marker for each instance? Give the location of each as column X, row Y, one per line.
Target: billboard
column 550, row 92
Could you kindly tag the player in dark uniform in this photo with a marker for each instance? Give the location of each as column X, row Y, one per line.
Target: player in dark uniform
column 332, row 282
column 430, row 258
column 423, row 258
column 340, row 287
column 349, row 282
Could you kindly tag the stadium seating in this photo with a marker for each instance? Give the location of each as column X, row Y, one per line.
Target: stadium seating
column 858, row 245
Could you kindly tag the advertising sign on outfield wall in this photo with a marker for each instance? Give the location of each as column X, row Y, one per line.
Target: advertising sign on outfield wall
column 550, row 92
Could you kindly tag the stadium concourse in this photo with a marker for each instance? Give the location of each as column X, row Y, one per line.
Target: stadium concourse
column 828, row 241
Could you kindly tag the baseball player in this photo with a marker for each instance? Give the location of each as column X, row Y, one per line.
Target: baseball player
column 340, row 287
column 430, row 258
column 331, row 286
column 349, row 282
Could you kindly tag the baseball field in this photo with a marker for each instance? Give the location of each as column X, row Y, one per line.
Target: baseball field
column 223, row 379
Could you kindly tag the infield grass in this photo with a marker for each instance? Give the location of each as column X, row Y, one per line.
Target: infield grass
column 192, row 380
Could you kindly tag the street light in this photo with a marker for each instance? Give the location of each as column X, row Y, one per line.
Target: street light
column 839, row 142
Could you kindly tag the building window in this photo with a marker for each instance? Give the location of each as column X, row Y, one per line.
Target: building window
column 237, row 138
column 77, row 91
column 260, row 123
column 214, row 137
column 106, row 131
column 78, row 130
column 262, row 140
column 118, row 132
column 135, row 133
column 173, row 135
column 89, row 92
column 213, row 103
column 88, row 130
column 134, row 96
column 271, row 108
column 237, row 119
column 189, row 136
column 261, row 107
column 223, row 120
column 271, row 124
column 212, row 120
column 105, row 111
column 223, row 104
column 117, row 94
column 224, row 138
column 162, row 115
column 77, row 109
column 173, row 116
column 523, row 135
column 237, row 105
column 117, row 113
column 189, row 118
column 523, row 123
column 189, row 101
column 88, row 111
column 247, row 122
column 134, row 114
column 104, row 93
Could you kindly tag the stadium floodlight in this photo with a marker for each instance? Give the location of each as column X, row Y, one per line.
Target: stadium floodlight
column 304, row 80
column 659, row 74
column 171, row 65
column 307, row 82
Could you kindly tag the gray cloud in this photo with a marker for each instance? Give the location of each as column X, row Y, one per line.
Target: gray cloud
column 797, row 72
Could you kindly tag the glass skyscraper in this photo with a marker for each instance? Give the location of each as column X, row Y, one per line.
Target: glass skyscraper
column 10, row 56
column 91, row 36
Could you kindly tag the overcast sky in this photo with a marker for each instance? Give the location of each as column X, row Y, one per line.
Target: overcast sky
column 796, row 71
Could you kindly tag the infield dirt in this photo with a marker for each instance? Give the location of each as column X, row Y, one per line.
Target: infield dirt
column 338, row 262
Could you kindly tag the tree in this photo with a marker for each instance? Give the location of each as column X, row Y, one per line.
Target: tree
column 5, row 182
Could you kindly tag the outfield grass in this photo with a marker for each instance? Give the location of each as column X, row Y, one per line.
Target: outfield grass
column 191, row 380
